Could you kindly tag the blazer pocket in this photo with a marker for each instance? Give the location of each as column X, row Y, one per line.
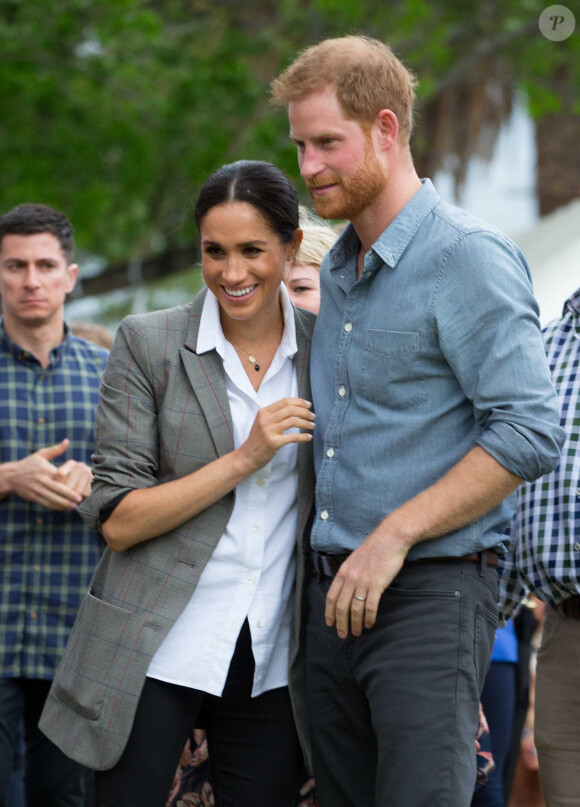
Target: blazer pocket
column 91, row 659
column 392, row 372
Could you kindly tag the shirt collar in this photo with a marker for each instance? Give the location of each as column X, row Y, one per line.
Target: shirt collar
column 392, row 243
column 211, row 337
column 572, row 304
column 21, row 355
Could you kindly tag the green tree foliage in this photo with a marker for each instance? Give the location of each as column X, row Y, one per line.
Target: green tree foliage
column 116, row 110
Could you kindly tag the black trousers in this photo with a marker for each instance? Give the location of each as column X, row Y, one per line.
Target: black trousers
column 254, row 751
column 51, row 779
column 393, row 713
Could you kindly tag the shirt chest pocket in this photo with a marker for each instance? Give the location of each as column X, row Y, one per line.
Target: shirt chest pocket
column 392, row 373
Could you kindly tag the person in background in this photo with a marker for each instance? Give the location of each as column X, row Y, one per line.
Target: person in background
column 433, row 400
column 15, row 797
column 303, row 283
column 203, row 487
column 521, row 774
column 302, row 277
column 498, row 700
column 546, row 560
column 49, row 382
column 93, row 332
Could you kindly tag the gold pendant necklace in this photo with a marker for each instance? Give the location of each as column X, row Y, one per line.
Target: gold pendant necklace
column 251, row 357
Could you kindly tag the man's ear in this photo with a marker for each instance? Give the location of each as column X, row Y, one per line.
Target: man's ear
column 72, row 272
column 387, row 127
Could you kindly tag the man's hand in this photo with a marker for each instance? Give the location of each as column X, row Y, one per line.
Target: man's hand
column 36, row 479
column 468, row 490
column 357, row 588
column 77, row 475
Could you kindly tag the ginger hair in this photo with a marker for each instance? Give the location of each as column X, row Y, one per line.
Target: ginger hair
column 365, row 73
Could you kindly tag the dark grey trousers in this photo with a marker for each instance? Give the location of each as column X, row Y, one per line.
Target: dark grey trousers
column 51, row 779
column 557, row 729
column 393, row 713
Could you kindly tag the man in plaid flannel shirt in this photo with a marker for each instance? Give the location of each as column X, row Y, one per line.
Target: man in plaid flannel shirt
column 49, row 381
column 546, row 559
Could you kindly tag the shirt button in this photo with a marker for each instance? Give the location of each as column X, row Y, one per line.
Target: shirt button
column 260, row 482
column 250, row 577
column 256, row 528
column 33, row 615
column 330, row 452
column 41, row 420
column 576, row 547
column 348, row 327
column 324, row 515
column 259, row 624
column 341, row 392
column 39, row 520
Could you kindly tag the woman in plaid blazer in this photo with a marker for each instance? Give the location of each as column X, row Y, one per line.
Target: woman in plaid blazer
column 203, row 487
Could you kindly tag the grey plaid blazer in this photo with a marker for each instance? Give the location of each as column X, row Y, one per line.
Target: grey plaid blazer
column 163, row 413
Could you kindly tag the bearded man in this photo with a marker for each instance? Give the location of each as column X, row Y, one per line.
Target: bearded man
column 433, row 401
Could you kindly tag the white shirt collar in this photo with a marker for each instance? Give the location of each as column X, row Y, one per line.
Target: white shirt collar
column 211, row 337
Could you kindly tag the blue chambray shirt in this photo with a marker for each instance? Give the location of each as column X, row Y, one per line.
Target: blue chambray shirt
column 434, row 349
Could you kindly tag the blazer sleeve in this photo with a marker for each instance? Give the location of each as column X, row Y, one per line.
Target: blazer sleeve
column 126, row 425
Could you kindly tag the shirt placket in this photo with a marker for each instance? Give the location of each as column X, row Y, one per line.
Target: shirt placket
column 257, row 498
column 39, row 548
column 354, row 301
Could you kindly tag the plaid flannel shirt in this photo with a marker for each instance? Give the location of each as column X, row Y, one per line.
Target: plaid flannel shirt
column 545, row 551
column 47, row 556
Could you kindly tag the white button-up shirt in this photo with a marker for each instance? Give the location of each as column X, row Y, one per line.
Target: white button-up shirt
column 252, row 569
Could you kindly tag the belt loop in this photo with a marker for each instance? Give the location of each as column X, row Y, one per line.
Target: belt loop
column 482, row 562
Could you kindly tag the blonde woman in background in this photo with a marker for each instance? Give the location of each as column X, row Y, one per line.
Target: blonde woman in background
column 302, row 281
column 303, row 272
column 92, row 332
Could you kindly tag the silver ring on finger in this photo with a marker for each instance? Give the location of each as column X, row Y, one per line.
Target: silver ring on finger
column 360, row 599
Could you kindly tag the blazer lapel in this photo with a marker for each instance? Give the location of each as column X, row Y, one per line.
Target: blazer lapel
column 305, row 466
column 206, row 376
column 303, row 340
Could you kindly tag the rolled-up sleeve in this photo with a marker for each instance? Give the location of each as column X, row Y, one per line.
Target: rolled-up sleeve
column 489, row 331
column 126, row 454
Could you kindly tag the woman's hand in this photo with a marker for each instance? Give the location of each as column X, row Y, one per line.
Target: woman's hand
column 269, row 431
column 147, row 513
